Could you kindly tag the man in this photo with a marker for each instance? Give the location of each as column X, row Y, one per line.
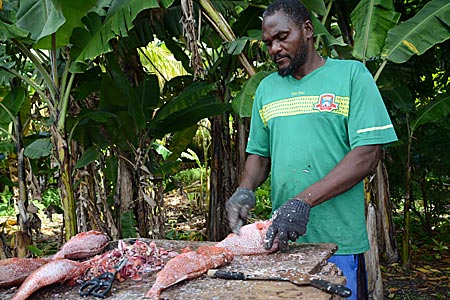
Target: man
column 318, row 125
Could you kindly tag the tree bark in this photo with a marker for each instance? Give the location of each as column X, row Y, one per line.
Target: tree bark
column 65, row 182
column 374, row 279
column 222, row 178
column 240, row 145
column 386, row 229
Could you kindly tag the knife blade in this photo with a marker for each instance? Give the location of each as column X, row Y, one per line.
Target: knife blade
column 295, row 277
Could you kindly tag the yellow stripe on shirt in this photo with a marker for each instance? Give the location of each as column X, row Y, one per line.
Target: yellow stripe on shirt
column 299, row 105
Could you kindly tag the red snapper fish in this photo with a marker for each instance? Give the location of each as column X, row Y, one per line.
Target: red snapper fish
column 59, row 270
column 83, row 245
column 250, row 240
column 189, row 265
column 13, row 271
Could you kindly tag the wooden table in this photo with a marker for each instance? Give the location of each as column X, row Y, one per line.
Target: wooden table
column 306, row 258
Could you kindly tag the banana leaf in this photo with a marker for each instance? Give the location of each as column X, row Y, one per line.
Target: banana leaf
column 196, row 102
column 94, row 39
column 372, row 19
column 39, row 148
column 180, row 141
column 90, row 155
column 12, row 104
column 317, row 6
column 433, row 112
column 430, row 26
column 242, row 103
column 43, row 18
column 401, row 98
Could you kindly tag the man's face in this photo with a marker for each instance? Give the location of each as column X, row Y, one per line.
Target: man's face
column 285, row 42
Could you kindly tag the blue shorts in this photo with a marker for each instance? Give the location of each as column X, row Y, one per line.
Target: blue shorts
column 354, row 268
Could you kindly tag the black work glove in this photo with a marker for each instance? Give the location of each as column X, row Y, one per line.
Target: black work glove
column 288, row 223
column 238, row 206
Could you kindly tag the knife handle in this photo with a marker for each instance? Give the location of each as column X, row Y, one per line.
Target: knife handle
column 226, row 274
column 330, row 287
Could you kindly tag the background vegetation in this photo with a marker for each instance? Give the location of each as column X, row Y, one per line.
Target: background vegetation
column 104, row 103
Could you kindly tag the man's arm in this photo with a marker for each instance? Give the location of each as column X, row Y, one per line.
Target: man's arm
column 353, row 168
column 290, row 220
column 256, row 170
column 243, row 199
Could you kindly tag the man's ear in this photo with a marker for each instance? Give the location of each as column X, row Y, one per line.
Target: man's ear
column 308, row 28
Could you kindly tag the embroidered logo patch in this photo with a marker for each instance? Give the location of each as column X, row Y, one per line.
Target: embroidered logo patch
column 326, row 103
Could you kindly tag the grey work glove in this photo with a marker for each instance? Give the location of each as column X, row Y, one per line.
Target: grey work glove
column 288, row 223
column 238, row 206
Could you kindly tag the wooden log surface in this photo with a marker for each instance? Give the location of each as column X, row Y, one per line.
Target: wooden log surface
column 305, row 258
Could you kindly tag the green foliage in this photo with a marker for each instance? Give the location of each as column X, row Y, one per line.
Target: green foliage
column 35, row 250
column 263, row 207
column 372, row 22
column 39, row 148
column 51, row 197
column 128, row 225
column 242, row 103
column 93, row 39
column 186, row 235
column 6, row 206
column 406, row 39
column 188, row 176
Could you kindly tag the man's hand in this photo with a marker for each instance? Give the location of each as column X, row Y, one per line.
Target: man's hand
column 238, row 206
column 289, row 222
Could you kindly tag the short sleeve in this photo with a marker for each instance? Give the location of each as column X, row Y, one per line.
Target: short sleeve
column 369, row 122
column 259, row 137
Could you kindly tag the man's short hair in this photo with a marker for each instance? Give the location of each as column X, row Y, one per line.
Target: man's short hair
column 293, row 9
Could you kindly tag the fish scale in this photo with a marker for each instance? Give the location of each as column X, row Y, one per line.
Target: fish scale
column 82, row 245
column 59, row 270
column 250, row 240
column 192, row 264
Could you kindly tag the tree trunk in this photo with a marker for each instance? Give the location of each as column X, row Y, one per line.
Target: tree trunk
column 242, row 126
column 22, row 201
column 380, row 229
column 222, row 178
column 65, row 182
column 386, row 229
column 374, row 279
column 406, row 254
column 150, row 207
column 123, row 200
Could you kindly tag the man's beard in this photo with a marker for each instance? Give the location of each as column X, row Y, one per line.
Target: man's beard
column 297, row 60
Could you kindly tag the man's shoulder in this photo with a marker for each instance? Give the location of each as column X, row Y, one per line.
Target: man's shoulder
column 349, row 64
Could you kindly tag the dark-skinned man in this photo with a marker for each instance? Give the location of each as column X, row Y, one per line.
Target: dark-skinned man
column 317, row 127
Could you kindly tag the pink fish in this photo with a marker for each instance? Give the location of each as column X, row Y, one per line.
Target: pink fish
column 13, row 271
column 188, row 265
column 250, row 240
column 59, row 270
column 83, row 245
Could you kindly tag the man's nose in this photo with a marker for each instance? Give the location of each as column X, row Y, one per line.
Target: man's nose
column 275, row 48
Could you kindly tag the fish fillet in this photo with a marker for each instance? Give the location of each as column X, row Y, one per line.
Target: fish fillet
column 250, row 240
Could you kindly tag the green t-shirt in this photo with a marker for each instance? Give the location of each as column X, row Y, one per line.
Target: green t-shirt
column 306, row 127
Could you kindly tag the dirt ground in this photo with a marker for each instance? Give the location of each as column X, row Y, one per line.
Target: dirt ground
column 427, row 279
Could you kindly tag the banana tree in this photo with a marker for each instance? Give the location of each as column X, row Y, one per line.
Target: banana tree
column 401, row 42
column 432, row 112
column 51, row 25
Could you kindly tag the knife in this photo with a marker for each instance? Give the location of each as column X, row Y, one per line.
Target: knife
column 286, row 275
